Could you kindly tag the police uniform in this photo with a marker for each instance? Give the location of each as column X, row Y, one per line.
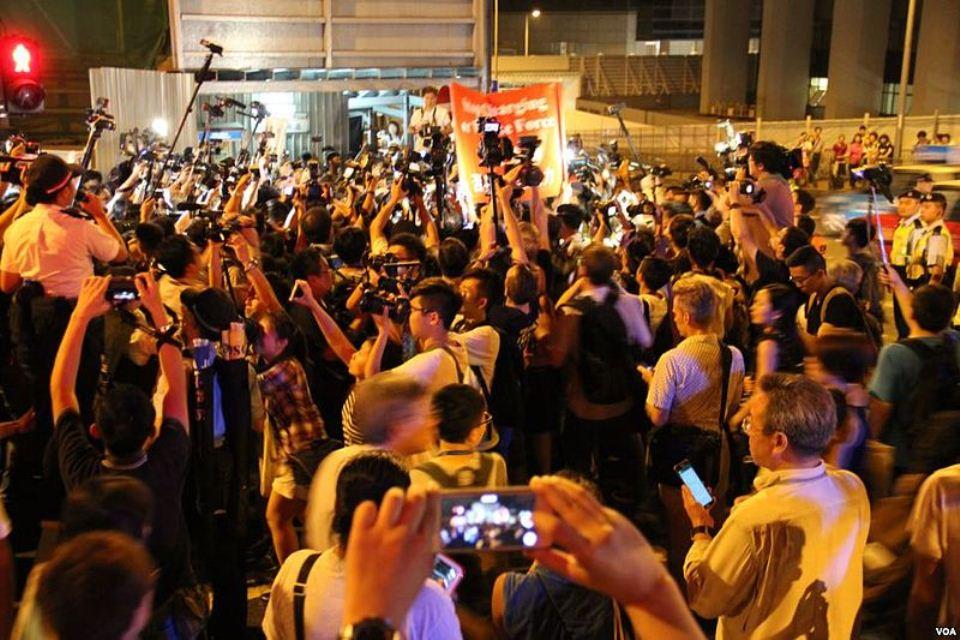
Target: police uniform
column 933, row 248
column 52, row 252
column 905, row 237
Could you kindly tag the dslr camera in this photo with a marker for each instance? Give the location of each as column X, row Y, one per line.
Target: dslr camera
column 530, row 175
column 494, row 148
column 878, row 176
column 750, row 189
column 375, row 300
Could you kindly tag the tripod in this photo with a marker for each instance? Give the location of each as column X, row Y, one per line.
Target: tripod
column 98, row 120
column 201, row 77
column 625, row 132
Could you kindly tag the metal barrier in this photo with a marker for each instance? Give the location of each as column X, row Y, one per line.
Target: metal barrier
column 678, row 145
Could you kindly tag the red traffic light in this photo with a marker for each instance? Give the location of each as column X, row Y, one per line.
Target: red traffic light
column 20, row 70
column 22, row 57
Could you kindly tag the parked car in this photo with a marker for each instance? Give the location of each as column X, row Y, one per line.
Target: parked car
column 836, row 208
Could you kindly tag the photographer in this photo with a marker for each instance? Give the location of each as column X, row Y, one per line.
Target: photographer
column 329, row 380
column 444, row 357
column 429, row 119
column 399, row 244
column 133, row 444
column 769, row 164
column 47, row 254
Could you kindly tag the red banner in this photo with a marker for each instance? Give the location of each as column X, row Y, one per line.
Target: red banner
column 530, row 111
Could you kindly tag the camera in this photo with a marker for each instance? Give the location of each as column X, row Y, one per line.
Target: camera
column 429, row 134
column 530, row 175
column 494, row 148
column 879, row 177
column 389, row 267
column 376, row 300
column 661, row 171
column 122, row 289
column 412, row 179
column 750, row 189
column 208, row 229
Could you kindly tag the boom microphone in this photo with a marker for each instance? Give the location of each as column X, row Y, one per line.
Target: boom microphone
column 214, row 48
column 230, row 102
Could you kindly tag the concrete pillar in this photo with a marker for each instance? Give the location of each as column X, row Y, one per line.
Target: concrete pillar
column 726, row 36
column 935, row 84
column 783, row 82
column 858, row 48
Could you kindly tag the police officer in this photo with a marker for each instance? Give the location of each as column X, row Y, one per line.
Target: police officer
column 47, row 253
column 905, row 236
column 931, row 258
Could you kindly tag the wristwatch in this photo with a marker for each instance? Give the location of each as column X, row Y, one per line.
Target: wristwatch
column 250, row 266
column 369, row 629
column 700, row 529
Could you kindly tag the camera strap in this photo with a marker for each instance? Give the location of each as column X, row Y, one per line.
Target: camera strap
column 300, row 595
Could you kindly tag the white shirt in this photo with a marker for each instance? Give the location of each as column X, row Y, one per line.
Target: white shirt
column 788, row 562
column 935, row 533
column 55, row 249
column 432, row 616
column 435, row 369
column 437, row 116
column 657, row 308
column 318, row 517
column 630, row 310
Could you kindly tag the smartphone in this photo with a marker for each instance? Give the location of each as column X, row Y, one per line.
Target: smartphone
column 488, row 519
column 335, row 262
column 688, row 475
column 348, row 173
column 295, row 292
column 447, row 573
column 121, row 289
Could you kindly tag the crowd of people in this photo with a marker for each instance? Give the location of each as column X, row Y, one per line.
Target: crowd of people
column 865, row 148
column 210, row 383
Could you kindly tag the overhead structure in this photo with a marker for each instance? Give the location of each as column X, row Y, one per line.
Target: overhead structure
column 324, row 45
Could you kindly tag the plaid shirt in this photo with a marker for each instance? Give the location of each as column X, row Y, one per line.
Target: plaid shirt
column 293, row 415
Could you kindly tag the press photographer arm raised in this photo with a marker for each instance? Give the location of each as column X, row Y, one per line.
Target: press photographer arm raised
column 378, row 239
column 251, row 266
column 432, row 241
column 331, row 331
column 510, row 223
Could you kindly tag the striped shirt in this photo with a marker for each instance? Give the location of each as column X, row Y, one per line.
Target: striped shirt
column 686, row 381
column 351, row 435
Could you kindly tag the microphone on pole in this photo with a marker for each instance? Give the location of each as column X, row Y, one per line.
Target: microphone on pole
column 230, row 102
column 214, row 48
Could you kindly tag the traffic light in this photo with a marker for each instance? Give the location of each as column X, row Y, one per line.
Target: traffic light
column 20, row 70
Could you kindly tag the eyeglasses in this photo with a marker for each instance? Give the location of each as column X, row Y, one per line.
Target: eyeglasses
column 802, row 280
column 486, row 420
column 414, row 307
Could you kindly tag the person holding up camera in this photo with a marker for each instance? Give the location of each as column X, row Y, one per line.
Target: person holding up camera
column 444, row 357
column 47, row 254
column 429, row 119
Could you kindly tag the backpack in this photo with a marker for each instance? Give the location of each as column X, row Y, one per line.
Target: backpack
column 504, row 396
column 870, row 325
column 604, row 359
column 464, row 477
column 934, row 433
